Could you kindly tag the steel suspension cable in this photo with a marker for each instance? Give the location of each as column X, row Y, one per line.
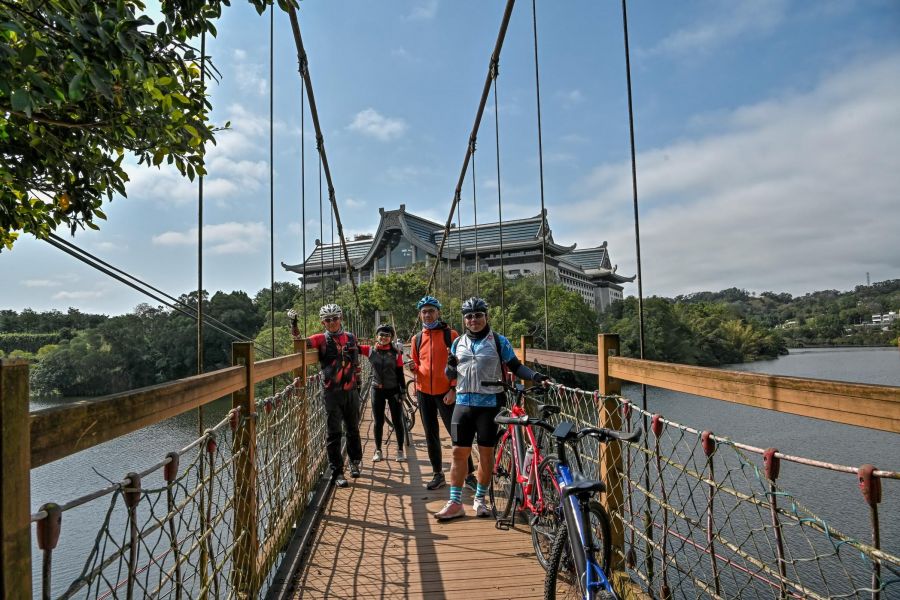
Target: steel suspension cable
column 301, row 53
column 333, row 284
column 474, row 216
column 321, row 233
column 459, row 241
column 139, row 284
column 495, row 57
column 200, row 427
column 499, row 203
column 302, row 67
column 272, row 179
column 537, row 89
column 136, row 284
column 648, row 527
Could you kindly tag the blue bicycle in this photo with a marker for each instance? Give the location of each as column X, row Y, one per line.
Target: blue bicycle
column 580, row 555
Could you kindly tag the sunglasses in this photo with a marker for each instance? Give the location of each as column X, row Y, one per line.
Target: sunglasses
column 330, row 319
column 384, row 335
column 473, row 316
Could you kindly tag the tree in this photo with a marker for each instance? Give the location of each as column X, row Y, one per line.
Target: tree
column 85, row 83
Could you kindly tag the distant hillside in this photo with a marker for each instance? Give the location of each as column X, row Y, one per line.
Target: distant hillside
column 826, row 317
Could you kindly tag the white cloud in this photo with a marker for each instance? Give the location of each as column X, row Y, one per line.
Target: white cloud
column 78, row 295
column 250, row 76
column 370, row 122
column 570, row 98
column 424, row 10
column 40, row 283
column 722, row 23
column 351, row 203
column 792, row 194
column 231, row 172
column 224, row 238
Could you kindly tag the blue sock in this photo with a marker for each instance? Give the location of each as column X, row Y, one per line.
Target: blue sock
column 481, row 491
column 455, row 494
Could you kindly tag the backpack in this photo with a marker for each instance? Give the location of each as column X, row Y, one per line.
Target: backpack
column 447, row 341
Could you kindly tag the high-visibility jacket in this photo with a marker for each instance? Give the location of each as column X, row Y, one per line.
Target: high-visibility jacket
column 430, row 359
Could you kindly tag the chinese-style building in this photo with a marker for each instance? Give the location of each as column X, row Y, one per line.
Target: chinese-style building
column 404, row 239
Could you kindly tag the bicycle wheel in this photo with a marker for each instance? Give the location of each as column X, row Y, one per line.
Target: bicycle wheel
column 408, row 423
column 410, row 406
column 503, row 481
column 562, row 581
column 545, row 524
column 411, row 390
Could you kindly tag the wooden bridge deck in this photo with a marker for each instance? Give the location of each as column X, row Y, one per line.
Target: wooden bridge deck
column 379, row 540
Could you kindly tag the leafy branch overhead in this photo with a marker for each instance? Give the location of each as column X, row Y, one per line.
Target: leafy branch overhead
column 85, row 83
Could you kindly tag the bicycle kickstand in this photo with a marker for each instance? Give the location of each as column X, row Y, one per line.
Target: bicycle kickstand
column 507, row 524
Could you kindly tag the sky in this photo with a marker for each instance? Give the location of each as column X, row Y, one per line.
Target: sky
column 767, row 140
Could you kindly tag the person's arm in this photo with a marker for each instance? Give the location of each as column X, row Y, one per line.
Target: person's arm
column 516, row 366
column 413, row 355
column 295, row 330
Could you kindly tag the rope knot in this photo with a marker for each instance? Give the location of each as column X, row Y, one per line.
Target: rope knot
column 495, row 67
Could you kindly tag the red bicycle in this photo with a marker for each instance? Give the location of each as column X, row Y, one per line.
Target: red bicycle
column 523, row 477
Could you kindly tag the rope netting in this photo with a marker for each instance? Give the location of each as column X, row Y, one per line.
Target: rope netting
column 705, row 516
column 175, row 530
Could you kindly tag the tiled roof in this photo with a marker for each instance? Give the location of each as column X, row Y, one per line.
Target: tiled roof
column 590, row 258
column 421, row 228
column 356, row 250
column 523, row 230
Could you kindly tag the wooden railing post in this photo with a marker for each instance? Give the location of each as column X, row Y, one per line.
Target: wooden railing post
column 524, row 342
column 611, row 453
column 246, row 581
column 15, row 485
column 302, row 414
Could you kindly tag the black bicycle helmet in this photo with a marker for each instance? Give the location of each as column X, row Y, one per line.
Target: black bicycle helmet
column 385, row 328
column 474, row 304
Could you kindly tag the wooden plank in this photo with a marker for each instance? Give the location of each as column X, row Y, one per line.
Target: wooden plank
column 873, row 406
column 582, row 363
column 64, row 430
column 15, row 485
column 272, row 367
column 378, row 539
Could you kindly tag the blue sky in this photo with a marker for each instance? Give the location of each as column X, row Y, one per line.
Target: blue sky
column 767, row 131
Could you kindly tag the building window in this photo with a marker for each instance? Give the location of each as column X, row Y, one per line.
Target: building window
column 380, row 263
column 401, row 254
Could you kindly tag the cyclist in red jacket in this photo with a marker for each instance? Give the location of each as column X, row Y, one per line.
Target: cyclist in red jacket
column 339, row 360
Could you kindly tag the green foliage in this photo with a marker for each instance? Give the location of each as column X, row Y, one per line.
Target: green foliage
column 699, row 332
column 28, row 342
column 83, row 84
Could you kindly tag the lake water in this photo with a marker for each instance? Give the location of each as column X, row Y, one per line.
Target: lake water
column 71, row 477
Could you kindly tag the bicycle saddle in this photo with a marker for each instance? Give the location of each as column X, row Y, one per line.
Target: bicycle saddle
column 545, row 410
column 583, row 486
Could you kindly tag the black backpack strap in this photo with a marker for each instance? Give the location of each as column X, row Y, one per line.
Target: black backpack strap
column 419, row 344
column 447, row 341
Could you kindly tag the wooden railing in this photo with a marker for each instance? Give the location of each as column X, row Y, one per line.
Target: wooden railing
column 872, row 406
column 29, row 440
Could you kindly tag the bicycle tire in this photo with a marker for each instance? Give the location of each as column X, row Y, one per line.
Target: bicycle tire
column 561, row 581
column 503, row 479
column 411, row 390
column 410, row 406
column 545, row 524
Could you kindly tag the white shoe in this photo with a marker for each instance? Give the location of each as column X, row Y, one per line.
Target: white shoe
column 378, row 456
column 400, row 456
column 481, row 508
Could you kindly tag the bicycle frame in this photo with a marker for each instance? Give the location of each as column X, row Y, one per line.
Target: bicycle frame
column 526, row 485
column 577, row 517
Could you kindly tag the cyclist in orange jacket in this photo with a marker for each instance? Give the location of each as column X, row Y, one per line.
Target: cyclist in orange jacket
column 429, row 350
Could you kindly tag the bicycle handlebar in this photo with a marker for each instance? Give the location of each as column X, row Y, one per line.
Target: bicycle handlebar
column 570, row 433
column 538, row 388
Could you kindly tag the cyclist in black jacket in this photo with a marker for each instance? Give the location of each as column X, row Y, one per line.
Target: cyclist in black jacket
column 387, row 372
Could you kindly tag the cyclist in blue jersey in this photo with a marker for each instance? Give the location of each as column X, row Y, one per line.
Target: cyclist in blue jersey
column 477, row 356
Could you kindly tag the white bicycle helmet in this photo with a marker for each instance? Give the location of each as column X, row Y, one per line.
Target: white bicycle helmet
column 330, row 310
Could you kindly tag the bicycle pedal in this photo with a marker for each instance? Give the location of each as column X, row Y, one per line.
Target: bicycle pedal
column 503, row 524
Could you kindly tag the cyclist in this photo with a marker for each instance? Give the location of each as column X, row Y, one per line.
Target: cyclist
column 479, row 355
column 339, row 360
column 387, row 371
column 429, row 350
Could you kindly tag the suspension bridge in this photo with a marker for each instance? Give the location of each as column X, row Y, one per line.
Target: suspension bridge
column 245, row 510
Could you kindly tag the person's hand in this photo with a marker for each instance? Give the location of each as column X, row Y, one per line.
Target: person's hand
column 413, row 367
column 450, row 397
column 452, row 360
column 292, row 314
column 542, row 380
